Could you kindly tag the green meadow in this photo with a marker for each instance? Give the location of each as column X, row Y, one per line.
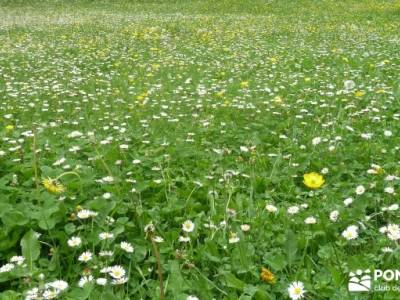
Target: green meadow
column 216, row 149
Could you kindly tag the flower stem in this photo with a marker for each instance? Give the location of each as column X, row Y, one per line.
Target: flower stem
column 160, row 276
column 35, row 161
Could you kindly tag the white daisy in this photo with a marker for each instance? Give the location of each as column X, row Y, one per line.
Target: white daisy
column 360, row 190
column 188, row 226
column 245, row 227
column 86, row 213
column 350, row 233
column 296, row 290
column 333, row 216
column 59, row 285
column 292, row 210
column 85, row 256
column 349, row 84
column 101, row 281
column 233, row 238
column 84, row 280
column 116, row 272
column 271, row 208
column 7, row 268
column 75, row 241
column 310, row 220
column 127, row 247
column 19, row 260
column 348, row 201
column 106, row 236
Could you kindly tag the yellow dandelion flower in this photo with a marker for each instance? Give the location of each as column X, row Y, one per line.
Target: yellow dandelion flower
column 220, row 94
column 380, row 171
column 313, row 180
column 53, row 186
column 267, row 276
column 9, row 127
column 244, row 84
column 359, row 93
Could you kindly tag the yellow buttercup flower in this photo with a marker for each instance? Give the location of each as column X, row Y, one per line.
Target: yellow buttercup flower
column 313, row 180
column 53, row 186
column 10, row 127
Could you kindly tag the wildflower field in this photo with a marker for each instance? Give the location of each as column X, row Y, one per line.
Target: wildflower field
column 199, row 149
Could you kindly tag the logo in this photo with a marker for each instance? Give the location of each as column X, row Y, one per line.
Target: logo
column 360, row 281
column 376, row 281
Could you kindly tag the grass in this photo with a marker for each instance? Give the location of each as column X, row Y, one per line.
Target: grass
column 180, row 127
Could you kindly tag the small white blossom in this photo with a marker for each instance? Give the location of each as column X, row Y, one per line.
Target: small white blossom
column 116, row 272
column 389, row 190
column 188, row 226
column 348, row 201
column 7, row 268
column 85, row 214
column 85, row 256
column 106, row 236
column 271, row 208
column 233, row 238
column 101, row 281
column 316, row 141
column 84, row 280
column 296, row 290
column 360, row 190
column 310, row 220
column 127, row 247
column 19, row 260
column 293, row 210
column 349, row 84
column 74, row 241
column 59, row 285
column 350, row 233
column 333, row 216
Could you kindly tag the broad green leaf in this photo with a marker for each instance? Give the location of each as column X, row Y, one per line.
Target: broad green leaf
column 176, row 281
column 4, row 207
column 80, row 293
column 10, row 295
column 276, row 261
column 30, row 248
column 14, row 218
column 234, row 282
